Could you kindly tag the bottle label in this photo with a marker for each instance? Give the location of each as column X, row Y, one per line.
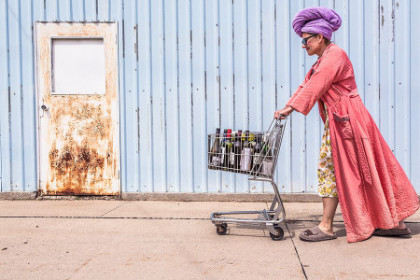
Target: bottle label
column 232, row 158
column 215, row 161
column 257, row 159
column 222, row 158
column 246, row 159
column 267, row 167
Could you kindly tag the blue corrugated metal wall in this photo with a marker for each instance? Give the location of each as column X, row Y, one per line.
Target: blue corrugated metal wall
column 189, row 66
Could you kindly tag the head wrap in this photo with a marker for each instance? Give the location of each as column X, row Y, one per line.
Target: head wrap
column 316, row 20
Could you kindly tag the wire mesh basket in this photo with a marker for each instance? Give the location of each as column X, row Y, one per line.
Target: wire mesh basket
column 251, row 153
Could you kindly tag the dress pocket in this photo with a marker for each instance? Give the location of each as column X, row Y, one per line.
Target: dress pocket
column 342, row 124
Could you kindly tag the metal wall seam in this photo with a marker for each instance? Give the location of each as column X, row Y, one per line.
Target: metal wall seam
column 401, row 85
column 198, row 96
column 4, row 100
column 312, row 131
column 297, row 120
column 226, row 80
column 29, row 99
column 356, row 42
column 78, row 10
column 387, row 73
column 171, row 93
column 130, row 94
column 51, row 10
column 145, row 97
column 283, row 88
column 254, row 74
column 184, row 61
column 16, row 98
column 415, row 96
column 268, row 74
column 240, row 78
column 212, row 73
column 91, row 10
column 371, row 58
column 158, row 90
column 104, row 9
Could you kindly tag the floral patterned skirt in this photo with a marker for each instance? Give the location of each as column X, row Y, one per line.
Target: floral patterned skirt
column 326, row 176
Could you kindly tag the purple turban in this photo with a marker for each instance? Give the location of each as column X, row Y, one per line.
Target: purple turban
column 316, row 20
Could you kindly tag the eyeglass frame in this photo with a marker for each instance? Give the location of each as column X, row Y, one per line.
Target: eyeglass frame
column 305, row 40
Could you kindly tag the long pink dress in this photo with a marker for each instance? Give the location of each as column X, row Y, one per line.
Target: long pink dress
column 373, row 190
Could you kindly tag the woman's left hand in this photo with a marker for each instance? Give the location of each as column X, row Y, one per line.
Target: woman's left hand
column 283, row 113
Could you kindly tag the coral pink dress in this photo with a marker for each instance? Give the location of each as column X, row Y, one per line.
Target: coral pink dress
column 373, row 190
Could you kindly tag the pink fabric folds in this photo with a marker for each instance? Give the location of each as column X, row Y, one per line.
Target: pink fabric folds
column 373, row 190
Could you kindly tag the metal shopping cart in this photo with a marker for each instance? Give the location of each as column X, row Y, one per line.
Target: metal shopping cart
column 241, row 154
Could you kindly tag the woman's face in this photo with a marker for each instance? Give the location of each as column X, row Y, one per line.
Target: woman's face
column 314, row 43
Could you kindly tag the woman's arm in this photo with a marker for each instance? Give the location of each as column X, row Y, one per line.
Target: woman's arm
column 321, row 80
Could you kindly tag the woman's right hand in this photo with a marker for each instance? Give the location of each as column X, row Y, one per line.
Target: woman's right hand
column 283, row 113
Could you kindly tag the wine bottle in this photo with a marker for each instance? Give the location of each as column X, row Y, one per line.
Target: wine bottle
column 246, row 154
column 228, row 149
column 237, row 148
column 215, row 151
column 267, row 163
column 257, row 156
column 223, row 149
column 232, row 152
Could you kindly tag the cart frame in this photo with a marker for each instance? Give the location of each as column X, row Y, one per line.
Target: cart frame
column 266, row 219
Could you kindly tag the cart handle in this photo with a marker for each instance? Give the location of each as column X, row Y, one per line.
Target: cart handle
column 277, row 121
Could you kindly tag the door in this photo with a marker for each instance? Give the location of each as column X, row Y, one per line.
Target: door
column 78, row 127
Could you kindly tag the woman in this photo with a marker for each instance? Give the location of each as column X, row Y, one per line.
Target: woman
column 356, row 165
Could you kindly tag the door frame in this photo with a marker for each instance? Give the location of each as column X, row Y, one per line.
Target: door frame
column 42, row 149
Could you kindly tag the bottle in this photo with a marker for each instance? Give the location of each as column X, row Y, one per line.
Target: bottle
column 265, row 145
column 228, row 149
column 223, row 149
column 215, row 151
column 237, row 148
column 232, row 152
column 267, row 162
column 245, row 137
column 246, row 154
column 257, row 156
column 252, row 141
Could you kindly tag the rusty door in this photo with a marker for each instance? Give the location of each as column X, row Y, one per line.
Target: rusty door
column 78, row 108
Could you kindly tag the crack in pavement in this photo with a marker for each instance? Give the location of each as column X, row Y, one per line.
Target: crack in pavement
column 113, row 209
column 297, row 253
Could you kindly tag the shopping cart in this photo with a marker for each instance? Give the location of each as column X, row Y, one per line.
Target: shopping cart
column 260, row 166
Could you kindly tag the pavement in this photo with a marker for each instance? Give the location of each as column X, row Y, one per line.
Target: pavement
column 116, row 239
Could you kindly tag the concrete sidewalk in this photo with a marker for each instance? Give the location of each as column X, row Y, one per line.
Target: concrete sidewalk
column 96, row 239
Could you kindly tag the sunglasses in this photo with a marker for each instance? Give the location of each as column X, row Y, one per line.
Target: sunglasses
column 305, row 40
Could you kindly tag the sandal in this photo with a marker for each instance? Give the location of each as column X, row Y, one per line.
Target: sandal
column 316, row 234
column 404, row 233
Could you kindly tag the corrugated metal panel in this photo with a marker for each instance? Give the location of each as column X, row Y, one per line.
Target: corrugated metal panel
column 187, row 67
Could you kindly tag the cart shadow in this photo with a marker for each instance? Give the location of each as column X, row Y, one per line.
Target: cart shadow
column 243, row 231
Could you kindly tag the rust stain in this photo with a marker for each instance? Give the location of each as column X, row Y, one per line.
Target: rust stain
column 80, row 160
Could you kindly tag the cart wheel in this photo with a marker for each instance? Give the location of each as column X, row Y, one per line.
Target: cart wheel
column 221, row 229
column 279, row 235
